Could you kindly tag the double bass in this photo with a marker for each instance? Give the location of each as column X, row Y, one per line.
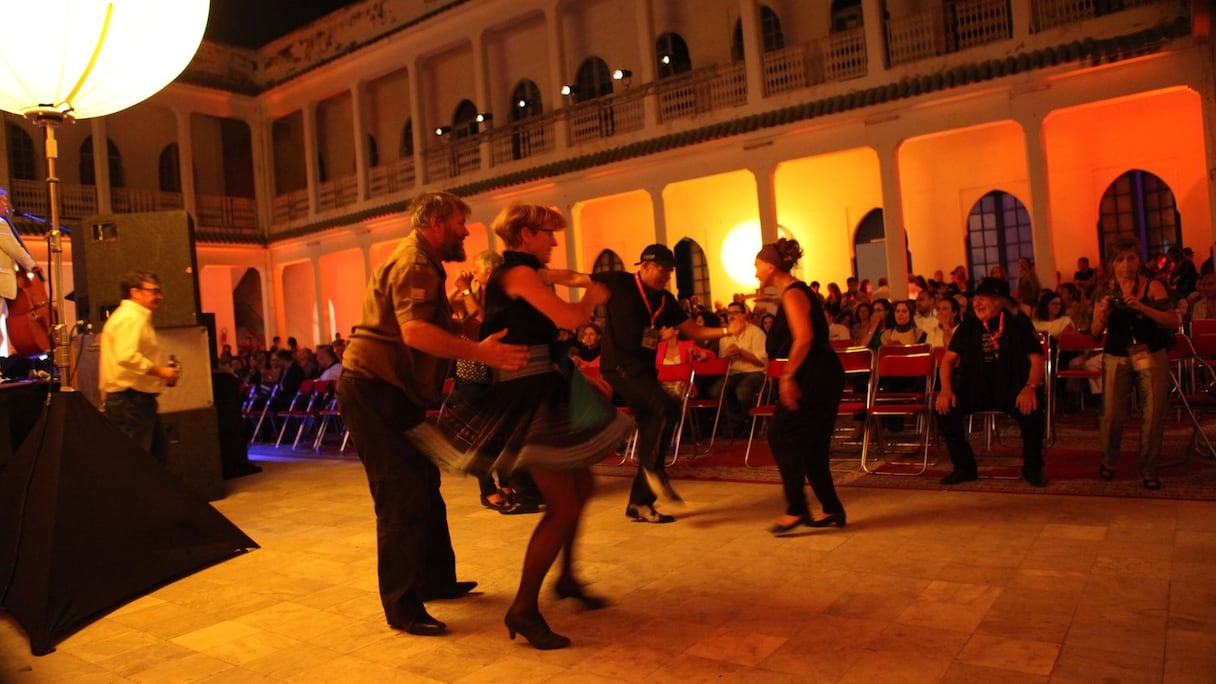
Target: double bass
column 29, row 315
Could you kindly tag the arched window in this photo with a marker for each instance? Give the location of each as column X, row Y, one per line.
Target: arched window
column 88, row 176
column 593, row 80
column 373, row 152
column 406, row 149
column 998, row 234
column 692, row 272
column 672, row 53
column 846, row 14
column 525, row 104
column 1140, row 205
column 20, row 153
column 169, row 169
column 607, row 261
column 525, row 101
column 464, row 120
column 770, row 32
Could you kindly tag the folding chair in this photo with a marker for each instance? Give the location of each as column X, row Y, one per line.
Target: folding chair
column 301, row 408
column 766, row 404
column 857, row 362
column 898, row 363
column 680, row 373
column 990, row 417
column 1184, row 357
column 257, row 408
column 327, row 416
column 1072, row 342
column 708, row 368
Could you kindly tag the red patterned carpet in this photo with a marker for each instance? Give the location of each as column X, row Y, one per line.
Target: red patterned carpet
column 1072, row 464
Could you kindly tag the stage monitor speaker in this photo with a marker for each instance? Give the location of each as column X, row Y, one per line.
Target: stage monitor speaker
column 189, row 344
column 106, row 247
column 194, row 450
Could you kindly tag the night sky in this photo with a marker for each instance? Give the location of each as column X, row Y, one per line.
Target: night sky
column 253, row 23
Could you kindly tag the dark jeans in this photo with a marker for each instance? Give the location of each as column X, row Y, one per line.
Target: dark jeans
column 657, row 414
column 414, row 549
column 134, row 413
column 954, row 432
column 741, row 392
column 801, row 441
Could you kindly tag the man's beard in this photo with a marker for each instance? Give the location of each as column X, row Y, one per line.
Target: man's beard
column 452, row 250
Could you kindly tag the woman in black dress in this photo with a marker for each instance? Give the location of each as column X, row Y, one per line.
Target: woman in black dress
column 543, row 418
column 809, row 388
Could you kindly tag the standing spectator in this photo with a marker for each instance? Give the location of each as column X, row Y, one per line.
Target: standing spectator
column 809, row 391
column 130, row 371
column 1085, row 275
column 395, row 364
column 1028, row 287
column 1184, row 275
column 1136, row 315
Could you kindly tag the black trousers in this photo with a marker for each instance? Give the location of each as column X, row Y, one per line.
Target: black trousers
column 414, row 548
column 134, row 413
column 801, row 441
column 657, row 414
column 954, row 432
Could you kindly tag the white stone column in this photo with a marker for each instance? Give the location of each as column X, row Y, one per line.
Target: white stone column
column 895, row 236
column 766, row 203
column 101, row 165
column 753, row 50
column 261, row 140
column 312, row 174
column 1040, row 199
column 647, row 69
column 321, row 330
column 359, row 128
column 420, row 129
column 660, row 215
column 481, row 90
column 876, row 36
column 557, row 73
column 185, row 158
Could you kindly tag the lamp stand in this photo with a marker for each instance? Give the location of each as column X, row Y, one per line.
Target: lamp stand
column 49, row 119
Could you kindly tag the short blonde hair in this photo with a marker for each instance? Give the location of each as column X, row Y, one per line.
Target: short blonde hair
column 511, row 221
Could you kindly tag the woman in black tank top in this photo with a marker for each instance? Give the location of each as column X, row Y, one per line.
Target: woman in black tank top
column 800, row 433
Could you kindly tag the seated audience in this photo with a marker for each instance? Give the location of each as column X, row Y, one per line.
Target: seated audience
column 748, row 362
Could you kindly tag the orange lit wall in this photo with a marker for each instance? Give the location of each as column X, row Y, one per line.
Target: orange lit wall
column 342, row 284
column 380, row 252
column 299, row 305
column 706, row 210
column 215, row 286
column 1089, row 147
column 622, row 223
column 820, row 200
column 942, row 176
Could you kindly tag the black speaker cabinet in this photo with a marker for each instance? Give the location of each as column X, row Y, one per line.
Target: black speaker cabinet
column 194, row 450
column 106, row 247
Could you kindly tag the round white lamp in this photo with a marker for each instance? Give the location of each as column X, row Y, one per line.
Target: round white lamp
column 74, row 59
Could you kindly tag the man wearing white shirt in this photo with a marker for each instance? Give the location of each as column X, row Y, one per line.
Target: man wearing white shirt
column 748, row 360
column 129, row 373
column 327, row 361
column 926, row 313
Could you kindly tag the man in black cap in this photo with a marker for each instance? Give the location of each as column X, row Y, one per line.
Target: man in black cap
column 994, row 363
column 641, row 312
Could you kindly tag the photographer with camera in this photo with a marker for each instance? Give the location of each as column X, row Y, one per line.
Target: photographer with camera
column 1136, row 314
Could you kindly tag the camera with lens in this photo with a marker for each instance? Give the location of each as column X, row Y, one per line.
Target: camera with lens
column 1117, row 301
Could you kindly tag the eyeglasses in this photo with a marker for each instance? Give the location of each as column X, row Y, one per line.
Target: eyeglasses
column 153, row 290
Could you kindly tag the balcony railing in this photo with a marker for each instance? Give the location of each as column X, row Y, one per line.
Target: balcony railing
column 933, row 32
column 290, row 206
column 842, row 55
column 392, row 177
column 785, row 69
column 523, row 139
column 695, row 92
column 220, row 211
column 130, row 200
column 605, row 117
column 337, row 193
column 1049, row 13
column 453, row 157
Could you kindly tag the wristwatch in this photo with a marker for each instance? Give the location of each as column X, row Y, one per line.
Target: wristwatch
column 466, row 292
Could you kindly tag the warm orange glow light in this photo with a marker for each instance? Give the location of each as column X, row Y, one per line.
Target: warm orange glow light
column 739, row 250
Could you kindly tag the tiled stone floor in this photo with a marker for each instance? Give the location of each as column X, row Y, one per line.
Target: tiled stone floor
column 921, row 586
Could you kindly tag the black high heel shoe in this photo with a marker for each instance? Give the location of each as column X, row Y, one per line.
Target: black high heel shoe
column 574, row 590
column 535, row 630
column 778, row 528
column 837, row 519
